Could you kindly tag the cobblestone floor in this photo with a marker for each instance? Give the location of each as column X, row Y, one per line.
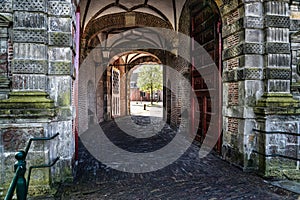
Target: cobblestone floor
column 188, row 178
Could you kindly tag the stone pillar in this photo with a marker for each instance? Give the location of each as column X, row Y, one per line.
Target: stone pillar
column 277, row 110
column 39, row 102
column 61, row 77
column 295, row 47
column 243, row 61
column 5, row 55
column 29, row 64
column 277, row 55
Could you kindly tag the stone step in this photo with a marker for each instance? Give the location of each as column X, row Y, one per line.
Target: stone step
column 4, row 83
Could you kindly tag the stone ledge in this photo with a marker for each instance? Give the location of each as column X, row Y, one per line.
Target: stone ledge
column 27, row 104
column 277, row 103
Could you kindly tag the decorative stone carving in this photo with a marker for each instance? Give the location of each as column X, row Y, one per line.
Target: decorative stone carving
column 254, row 22
column 253, row 74
column 59, row 8
column 29, row 5
column 60, row 39
column 60, row 68
column 278, row 86
column 278, row 60
column 275, row 73
column 280, row 8
column 30, row 51
column 6, row 6
column 240, row 75
column 253, row 48
column 232, row 28
column 254, row 36
column 15, row 139
column 29, row 82
column 277, row 35
column 59, row 54
column 26, row 20
column 254, row 9
column 30, row 36
column 277, row 21
column 277, row 48
column 233, row 52
column 29, row 67
column 295, row 25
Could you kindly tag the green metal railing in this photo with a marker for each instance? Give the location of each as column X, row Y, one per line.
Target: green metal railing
column 19, row 182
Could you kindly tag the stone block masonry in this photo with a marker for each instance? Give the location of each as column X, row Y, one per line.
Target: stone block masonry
column 36, row 78
column 278, row 110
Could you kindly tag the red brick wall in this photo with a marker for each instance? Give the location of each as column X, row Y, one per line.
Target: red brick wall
column 233, row 94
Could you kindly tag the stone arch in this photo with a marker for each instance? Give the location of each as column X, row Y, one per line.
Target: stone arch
column 201, row 20
column 123, row 20
column 184, row 19
column 145, row 59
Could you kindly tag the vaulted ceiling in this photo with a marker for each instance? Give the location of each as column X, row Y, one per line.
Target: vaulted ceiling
column 168, row 10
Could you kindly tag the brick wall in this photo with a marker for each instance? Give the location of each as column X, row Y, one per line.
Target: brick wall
column 233, row 94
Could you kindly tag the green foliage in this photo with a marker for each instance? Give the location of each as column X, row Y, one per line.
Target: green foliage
column 150, row 78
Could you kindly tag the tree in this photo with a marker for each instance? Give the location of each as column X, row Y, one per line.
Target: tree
column 150, row 79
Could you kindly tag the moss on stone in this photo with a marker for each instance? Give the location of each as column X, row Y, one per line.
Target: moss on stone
column 277, row 103
column 27, row 104
column 277, row 167
column 64, row 99
column 292, row 174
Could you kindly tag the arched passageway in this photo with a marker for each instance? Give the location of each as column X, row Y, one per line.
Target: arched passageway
column 253, row 47
column 120, row 40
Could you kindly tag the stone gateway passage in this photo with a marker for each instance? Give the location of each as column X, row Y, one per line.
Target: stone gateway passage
column 227, row 94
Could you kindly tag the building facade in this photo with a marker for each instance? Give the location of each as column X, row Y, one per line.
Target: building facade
column 62, row 58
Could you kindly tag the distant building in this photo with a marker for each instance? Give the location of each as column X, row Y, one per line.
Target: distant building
column 137, row 95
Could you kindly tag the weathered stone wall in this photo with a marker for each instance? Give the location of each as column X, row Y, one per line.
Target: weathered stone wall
column 243, row 41
column 38, row 102
column 277, row 110
column 6, row 49
column 257, row 62
column 295, row 47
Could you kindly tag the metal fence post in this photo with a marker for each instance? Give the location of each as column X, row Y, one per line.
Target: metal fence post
column 19, row 182
column 21, row 189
